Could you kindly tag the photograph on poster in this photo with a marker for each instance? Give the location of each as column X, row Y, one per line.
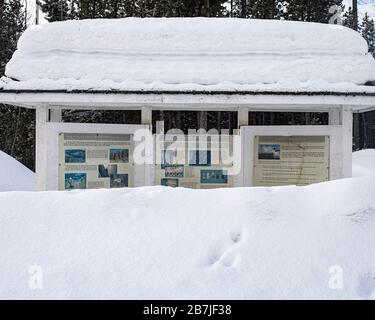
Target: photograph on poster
column 169, row 182
column 75, row 156
column 214, row 176
column 75, row 181
column 168, row 157
column 117, row 155
column 199, row 158
column 269, row 152
column 174, row 171
column 106, row 171
column 119, row 181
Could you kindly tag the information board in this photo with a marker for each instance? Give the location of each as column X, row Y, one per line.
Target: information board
column 91, row 161
column 194, row 167
column 295, row 160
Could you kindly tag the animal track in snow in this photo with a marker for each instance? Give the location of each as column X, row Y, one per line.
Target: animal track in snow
column 238, row 236
column 228, row 257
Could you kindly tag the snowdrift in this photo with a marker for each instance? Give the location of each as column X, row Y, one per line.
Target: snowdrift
column 190, row 54
column 14, row 176
column 161, row 243
column 364, row 163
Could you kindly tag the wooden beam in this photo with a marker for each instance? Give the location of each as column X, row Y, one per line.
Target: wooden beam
column 243, row 117
column 334, row 116
column 55, row 115
column 41, row 119
column 347, row 141
column 146, row 116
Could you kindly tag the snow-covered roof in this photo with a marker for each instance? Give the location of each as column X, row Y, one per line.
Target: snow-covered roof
column 187, row 54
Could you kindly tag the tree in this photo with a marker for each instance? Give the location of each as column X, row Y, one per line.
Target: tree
column 16, row 124
column 255, row 9
column 55, row 10
column 264, row 9
column 348, row 19
column 367, row 29
column 310, row 10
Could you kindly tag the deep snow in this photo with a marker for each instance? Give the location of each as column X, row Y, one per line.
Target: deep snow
column 14, row 176
column 190, row 54
column 364, row 163
column 162, row 243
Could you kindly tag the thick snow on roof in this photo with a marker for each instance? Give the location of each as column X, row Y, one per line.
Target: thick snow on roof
column 190, row 54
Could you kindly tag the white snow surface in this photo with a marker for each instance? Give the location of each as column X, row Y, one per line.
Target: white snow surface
column 364, row 163
column 190, row 54
column 14, row 176
column 162, row 243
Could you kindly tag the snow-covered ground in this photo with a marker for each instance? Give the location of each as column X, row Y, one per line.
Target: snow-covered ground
column 14, row 176
column 155, row 242
column 364, row 163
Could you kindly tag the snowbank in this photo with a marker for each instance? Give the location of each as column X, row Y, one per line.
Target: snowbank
column 14, row 176
column 161, row 243
column 364, row 163
column 158, row 243
column 189, row 54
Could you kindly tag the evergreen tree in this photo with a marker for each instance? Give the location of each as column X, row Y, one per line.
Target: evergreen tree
column 16, row 124
column 310, row 10
column 348, row 19
column 128, row 8
column 256, row 9
column 164, row 8
column 264, row 9
column 92, row 9
column 120, row 8
column 367, row 28
column 145, row 8
column 73, row 12
column 55, row 10
column 182, row 8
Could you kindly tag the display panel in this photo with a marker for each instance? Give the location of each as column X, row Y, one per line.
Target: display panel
column 200, row 168
column 295, row 160
column 91, row 161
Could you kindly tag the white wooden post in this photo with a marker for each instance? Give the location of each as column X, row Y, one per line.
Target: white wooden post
column 159, row 127
column 41, row 118
column 55, row 115
column 347, row 141
column 146, row 119
column 243, row 121
column 334, row 116
column 243, row 117
column 146, row 116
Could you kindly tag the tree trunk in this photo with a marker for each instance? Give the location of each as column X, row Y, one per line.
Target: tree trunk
column 355, row 15
column 243, row 9
column 206, row 8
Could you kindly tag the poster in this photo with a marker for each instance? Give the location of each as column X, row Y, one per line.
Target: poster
column 295, row 160
column 173, row 183
column 174, row 171
column 90, row 161
column 75, row 181
column 193, row 166
column 214, row 177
